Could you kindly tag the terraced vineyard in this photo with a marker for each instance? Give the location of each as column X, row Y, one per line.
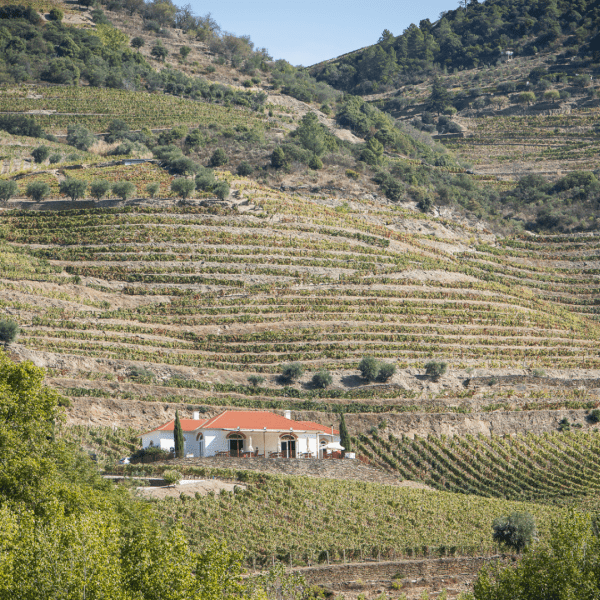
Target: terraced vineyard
column 550, row 468
column 296, row 279
column 95, row 108
column 319, row 520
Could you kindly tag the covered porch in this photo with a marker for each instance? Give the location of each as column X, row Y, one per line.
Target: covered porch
column 274, row 444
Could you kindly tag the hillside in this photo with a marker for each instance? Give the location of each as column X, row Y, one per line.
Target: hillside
column 177, row 228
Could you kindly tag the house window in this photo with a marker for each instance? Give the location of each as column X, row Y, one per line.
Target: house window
column 236, row 443
column 288, row 446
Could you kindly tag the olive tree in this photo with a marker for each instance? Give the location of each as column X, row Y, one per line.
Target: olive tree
column 182, row 186
column 37, row 190
column 40, row 154
column 515, row 531
column 123, row 189
column 8, row 189
column 99, row 188
column 73, row 188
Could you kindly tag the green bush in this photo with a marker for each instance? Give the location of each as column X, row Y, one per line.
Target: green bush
column 255, row 380
column 9, row 331
column 221, row 190
column 369, row 368
column 386, row 371
column 172, row 477
column 37, row 190
column 54, row 158
column 205, row 180
column 56, row 15
column 292, row 371
column 278, row 159
column 244, row 169
column 40, row 154
column 516, row 531
column 151, row 454
column 218, row 158
column 435, row 369
column 141, row 374
column 594, row 416
column 80, row 137
column 315, row 163
column 322, row 379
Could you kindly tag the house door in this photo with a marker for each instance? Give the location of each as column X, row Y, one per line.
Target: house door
column 235, row 446
column 201, row 447
column 288, row 447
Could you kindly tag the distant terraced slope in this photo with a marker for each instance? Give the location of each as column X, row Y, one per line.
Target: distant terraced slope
column 188, row 290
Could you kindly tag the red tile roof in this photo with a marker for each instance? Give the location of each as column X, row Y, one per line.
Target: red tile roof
column 253, row 420
column 257, row 420
column 311, row 426
column 186, row 425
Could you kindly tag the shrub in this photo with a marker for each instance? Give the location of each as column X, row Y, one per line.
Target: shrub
column 255, row 380
column 322, row 379
column 594, row 416
column 80, row 137
column 538, row 372
column 159, row 52
column 73, row 188
column 9, row 331
column 315, row 163
column 369, row 368
column 7, row 190
column 37, row 190
column 182, row 186
column 516, row 531
column 141, row 374
column 56, row 14
column 352, row 174
column 54, row 158
column 172, row 477
column 205, row 180
column 151, row 453
column 152, row 189
column 435, row 369
column 564, row 425
column 137, row 42
column 292, row 371
column 278, row 158
column 123, row 189
column 184, row 51
column 386, row 371
column 40, row 154
column 218, row 158
column 221, row 190
column 244, row 169
column 99, row 188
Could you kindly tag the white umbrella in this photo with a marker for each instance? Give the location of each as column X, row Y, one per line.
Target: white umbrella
column 333, row 446
column 250, row 448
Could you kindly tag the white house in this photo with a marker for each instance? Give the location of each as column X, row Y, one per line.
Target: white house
column 247, row 434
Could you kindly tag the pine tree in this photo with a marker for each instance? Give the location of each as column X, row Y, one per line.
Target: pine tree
column 344, row 435
column 178, row 435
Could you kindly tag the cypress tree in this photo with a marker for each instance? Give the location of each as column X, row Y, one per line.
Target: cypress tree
column 344, row 435
column 178, row 435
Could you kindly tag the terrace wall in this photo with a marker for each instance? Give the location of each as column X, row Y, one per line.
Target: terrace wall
column 147, row 415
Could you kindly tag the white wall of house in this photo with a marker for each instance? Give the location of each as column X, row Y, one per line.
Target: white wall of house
column 216, row 440
column 162, row 439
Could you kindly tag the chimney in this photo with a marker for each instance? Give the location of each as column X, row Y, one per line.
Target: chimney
column 287, row 414
column 196, row 415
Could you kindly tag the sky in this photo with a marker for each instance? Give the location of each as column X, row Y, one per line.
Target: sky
column 305, row 33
